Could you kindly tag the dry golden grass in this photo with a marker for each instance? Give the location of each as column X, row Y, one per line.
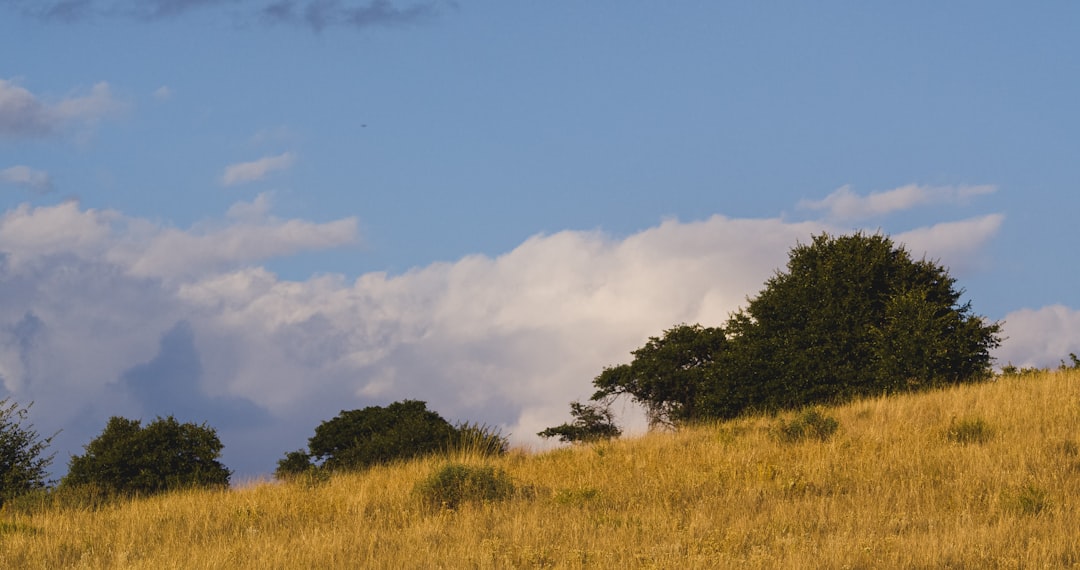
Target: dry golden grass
column 981, row 476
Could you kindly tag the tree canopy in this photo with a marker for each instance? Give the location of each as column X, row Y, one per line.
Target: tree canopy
column 852, row 315
column 166, row 454
column 358, row 439
column 668, row 373
column 23, row 462
column 592, row 422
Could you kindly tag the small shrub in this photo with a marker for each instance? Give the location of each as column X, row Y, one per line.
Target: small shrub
column 592, row 423
column 576, row 497
column 1028, row 500
column 457, row 483
column 23, row 461
column 809, row 424
column 129, row 458
column 969, row 430
column 478, row 439
column 88, row 497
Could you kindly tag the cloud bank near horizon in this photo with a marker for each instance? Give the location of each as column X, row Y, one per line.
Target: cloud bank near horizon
column 314, row 14
column 845, row 204
column 24, row 114
column 107, row 314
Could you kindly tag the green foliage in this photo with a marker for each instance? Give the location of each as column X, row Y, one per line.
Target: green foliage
column 591, row 423
column 1028, row 500
column 577, row 497
column 478, row 439
column 375, row 435
column 810, row 424
column 23, row 462
column 852, row 316
column 668, row 374
column 361, row 438
column 969, row 430
column 89, row 497
column 1012, row 371
column 456, row 483
column 128, row 458
column 294, row 464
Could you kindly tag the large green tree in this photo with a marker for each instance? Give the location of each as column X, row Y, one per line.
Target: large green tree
column 358, row 439
column 668, row 374
column 23, row 462
column 853, row 315
column 592, row 422
column 166, row 454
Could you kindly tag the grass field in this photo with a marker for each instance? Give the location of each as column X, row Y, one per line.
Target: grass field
column 980, row 476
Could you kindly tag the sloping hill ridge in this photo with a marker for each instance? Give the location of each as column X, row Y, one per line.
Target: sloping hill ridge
column 979, row 476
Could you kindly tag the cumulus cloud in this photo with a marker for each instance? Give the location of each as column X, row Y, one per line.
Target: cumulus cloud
column 952, row 243
column 319, row 14
column 244, row 172
column 248, row 235
column 23, row 114
column 107, row 314
column 1040, row 337
column 37, row 181
column 315, row 14
column 845, row 204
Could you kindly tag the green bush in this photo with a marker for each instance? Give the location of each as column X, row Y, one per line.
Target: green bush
column 809, row 424
column 1028, row 500
column 478, row 439
column 851, row 316
column 358, row 439
column 592, row 422
column 23, row 462
column 128, row 458
column 969, row 430
column 456, row 483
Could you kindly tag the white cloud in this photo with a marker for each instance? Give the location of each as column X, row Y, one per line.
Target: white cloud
column 145, row 249
column 1040, row 337
column 952, row 243
column 34, row 180
column 245, row 172
column 845, row 204
column 509, row 340
column 23, row 114
column 163, row 93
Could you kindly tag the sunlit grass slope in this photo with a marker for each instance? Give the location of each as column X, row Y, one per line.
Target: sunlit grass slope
column 982, row 476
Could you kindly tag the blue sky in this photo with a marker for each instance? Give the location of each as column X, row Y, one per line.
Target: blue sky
column 259, row 213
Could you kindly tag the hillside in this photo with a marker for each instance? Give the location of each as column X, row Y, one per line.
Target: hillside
column 981, row 476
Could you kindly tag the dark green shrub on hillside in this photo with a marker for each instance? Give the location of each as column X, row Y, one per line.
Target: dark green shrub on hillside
column 480, row 439
column 128, row 458
column 455, row 484
column 22, row 453
column 810, row 424
column 969, row 430
column 668, row 374
column 852, row 316
column 294, row 464
column 591, row 423
column 358, row 439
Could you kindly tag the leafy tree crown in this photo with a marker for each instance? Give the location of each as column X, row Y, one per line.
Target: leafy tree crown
column 23, row 462
column 166, row 454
